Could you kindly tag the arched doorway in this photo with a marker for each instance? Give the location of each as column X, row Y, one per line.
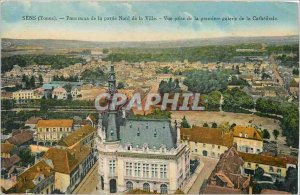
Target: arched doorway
column 163, row 189
column 112, row 186
column 129, row 186
column 204, row 152
column 146, row 187
column 102, row 183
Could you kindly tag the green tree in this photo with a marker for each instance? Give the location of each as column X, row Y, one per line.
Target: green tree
column 26, row 157
column 32, row 82
column 105, row 50
column 258, row 174
column 266, row 134
column 184, row 123
column 291, row 180
column 275, row 133
column 214, row 125
column 41, row 80
column 121, row 85
column 204, row 82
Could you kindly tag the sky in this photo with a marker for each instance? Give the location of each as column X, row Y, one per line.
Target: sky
column 12, row 25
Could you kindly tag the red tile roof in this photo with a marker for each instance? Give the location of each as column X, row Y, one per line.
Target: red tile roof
column 207, row 135
column 6, row 148
column 55, row 123
column 278, row 161
column 66, row 160
column 33, row 120
column 251, row 132
column 76, row 136
column 25, row 179
column 21, row 137
column 9, row 162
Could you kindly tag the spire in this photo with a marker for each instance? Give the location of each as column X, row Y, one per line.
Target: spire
column 111, row 126
column 112, row 80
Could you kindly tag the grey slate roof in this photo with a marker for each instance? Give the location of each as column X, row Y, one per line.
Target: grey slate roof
column 141, row 132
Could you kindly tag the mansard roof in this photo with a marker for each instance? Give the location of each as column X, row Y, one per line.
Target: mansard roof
column 150, row 132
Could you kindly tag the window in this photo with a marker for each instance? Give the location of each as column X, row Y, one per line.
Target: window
column 129, row 186
column 138, row 132
column 271, row 169
column 204, row 145
column 212, row 154
column 256, row 166
column 163, row 171
column 249, row 165
column 154, row 170
column 163, row 189
column 137, row 169
column 47, row 129
column 146, row 187
column 258, row 150
column 279, row 171
column 128, row 169
column 155, row 133
column 146, row 170
column 213, row 146
column 112, row 167
column 196, row 150
column 219, row 147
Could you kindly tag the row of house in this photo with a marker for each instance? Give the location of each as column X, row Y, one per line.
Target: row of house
column 54, row 89
column 213, row 142
column 61, row 168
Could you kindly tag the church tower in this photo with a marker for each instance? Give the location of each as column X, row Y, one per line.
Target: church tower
column 111, row 128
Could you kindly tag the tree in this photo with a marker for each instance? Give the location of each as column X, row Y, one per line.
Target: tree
column 41, row 80
column 258, row 174
column 69, row 97
column 266, row 134
column 214, row 125
column 265, row 76
column 121, row 85
column 68, row 87
column 199, row 81
column 291, row 180
column 26, row 157
column 295, row 71
column 205, row 125
column 184, row 123
column 32, row 82
column 275, row 133
column 105, row 50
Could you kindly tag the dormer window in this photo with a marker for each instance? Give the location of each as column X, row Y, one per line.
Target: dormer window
column 155, row 133
column 138, row 132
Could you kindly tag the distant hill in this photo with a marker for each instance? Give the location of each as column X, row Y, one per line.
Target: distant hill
column 46, row 44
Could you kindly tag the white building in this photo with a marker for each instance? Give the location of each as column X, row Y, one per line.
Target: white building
column 59, row 93
column 139, row 154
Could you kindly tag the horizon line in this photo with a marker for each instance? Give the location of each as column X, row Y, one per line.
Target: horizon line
column 293, row 35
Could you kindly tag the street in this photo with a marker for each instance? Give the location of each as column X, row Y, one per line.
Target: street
column 89, row 183
column 209, row 165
